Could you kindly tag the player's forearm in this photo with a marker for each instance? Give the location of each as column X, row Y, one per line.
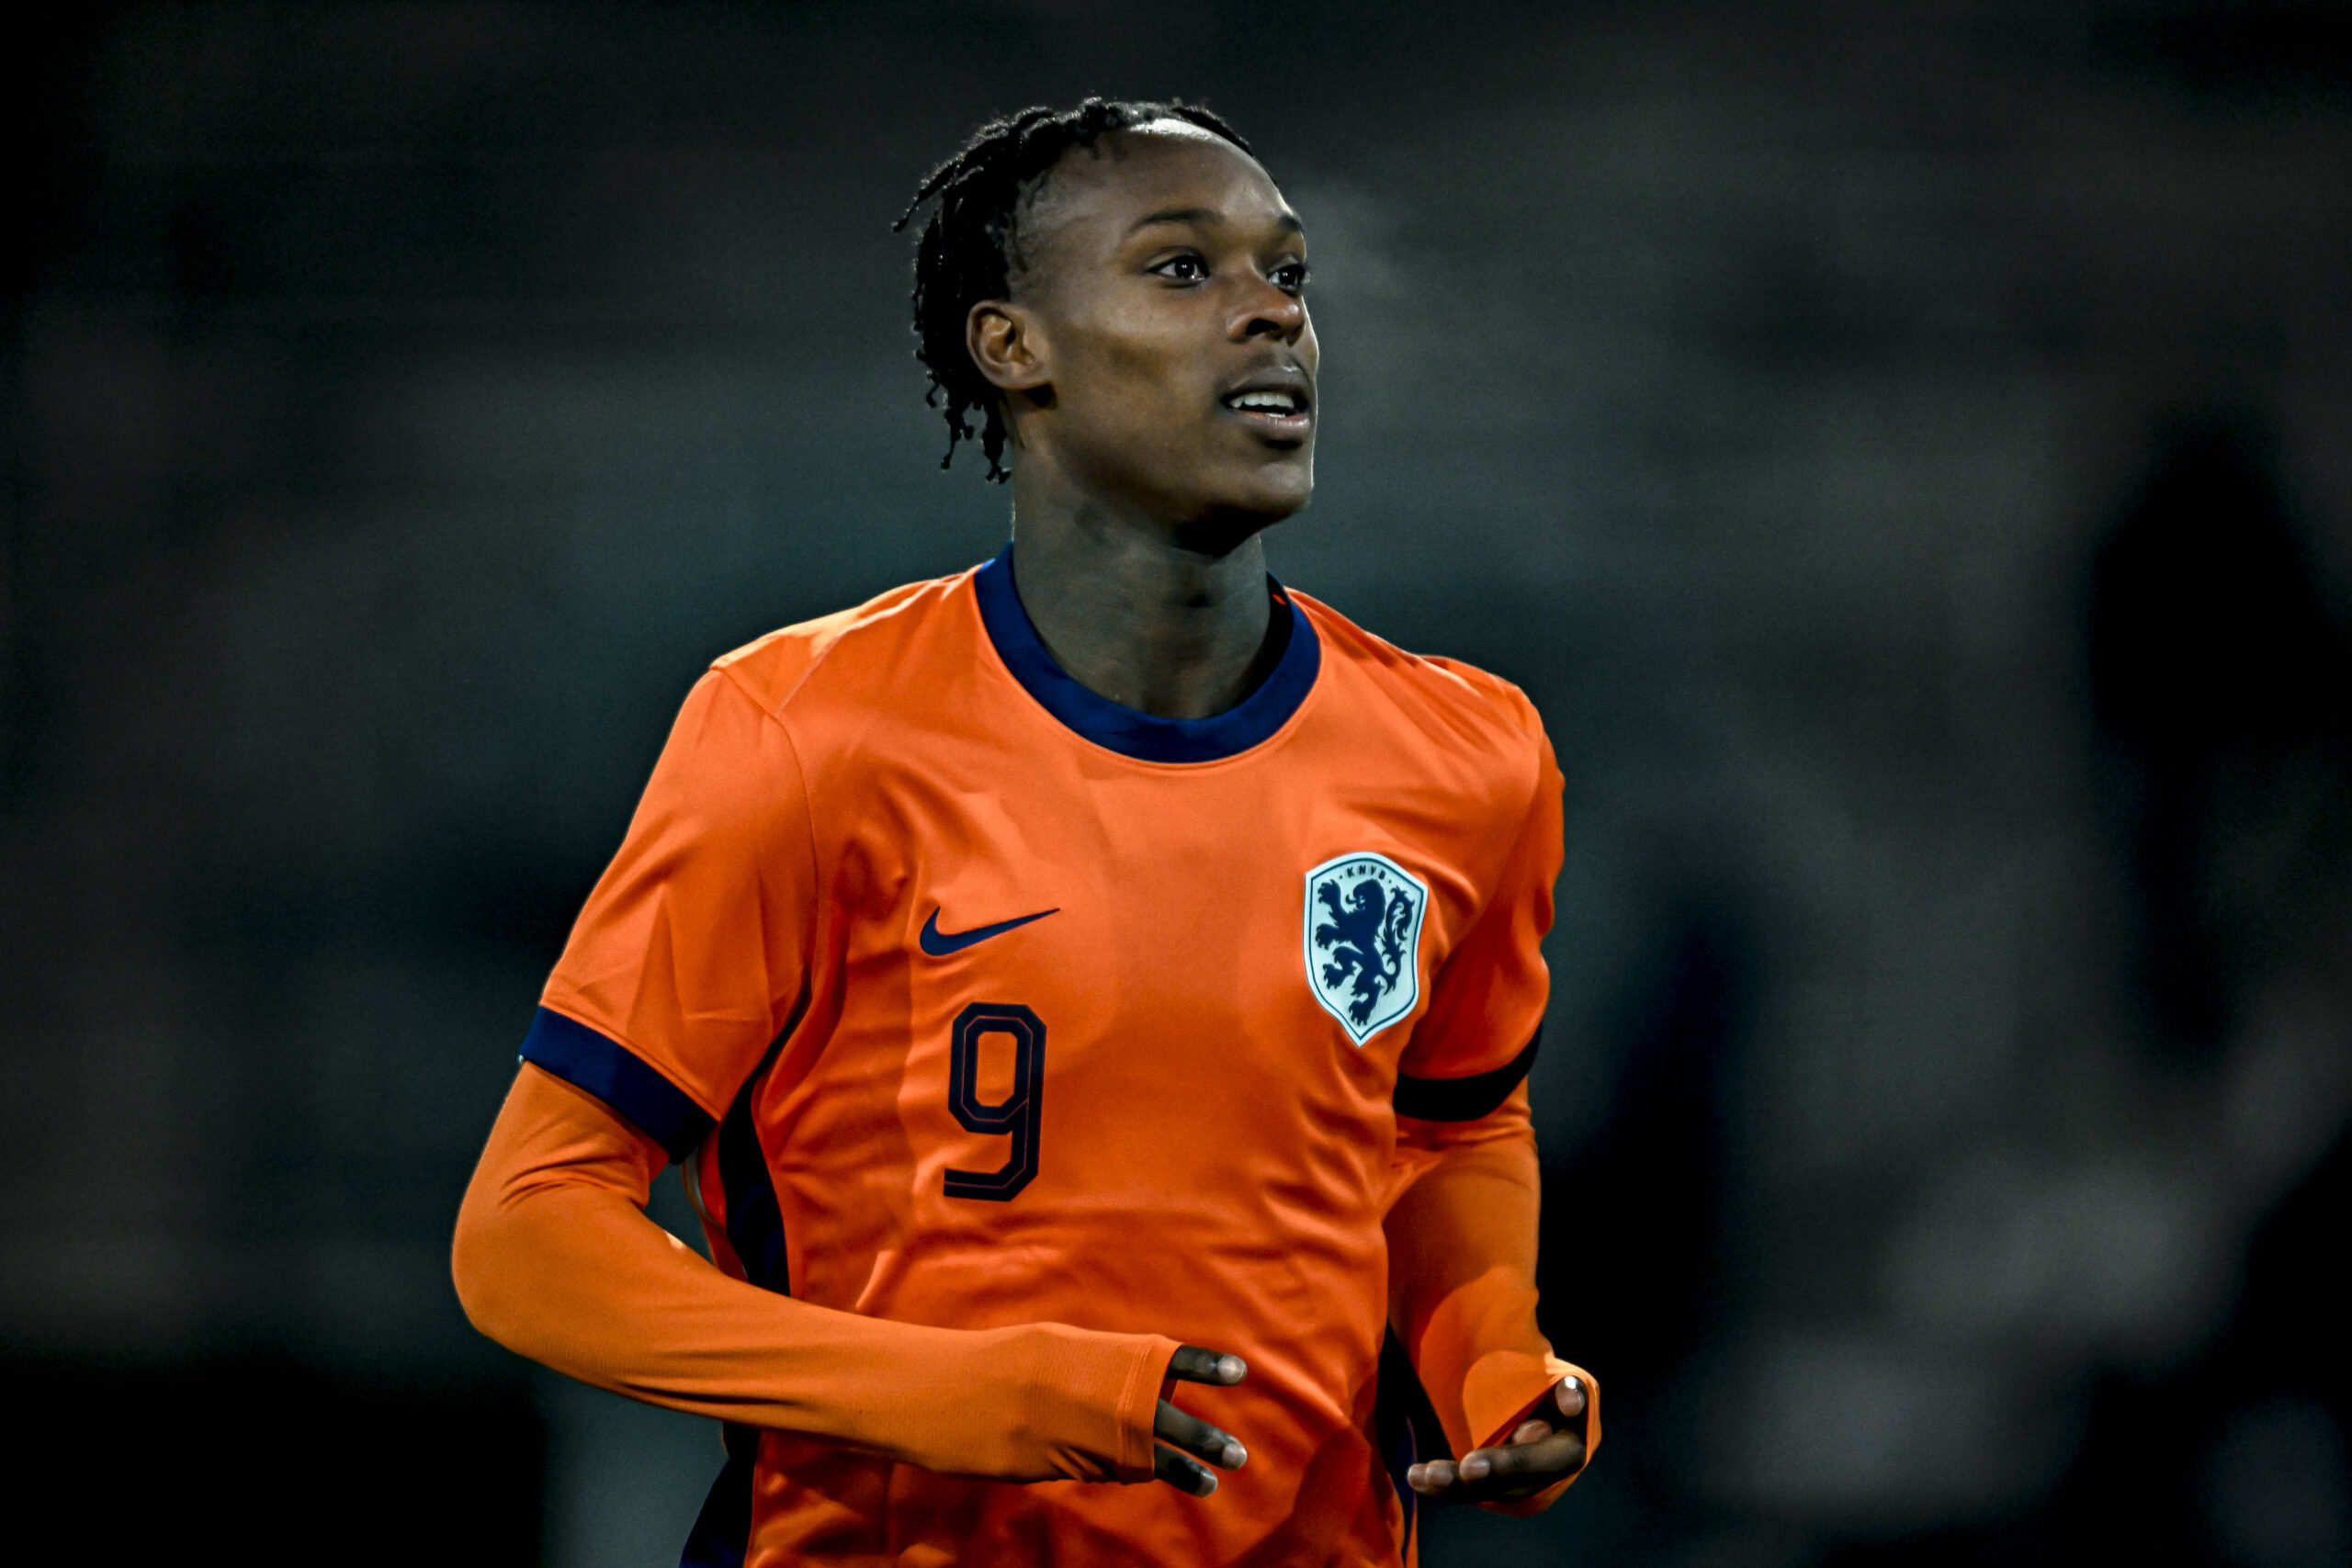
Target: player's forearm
column 1461, row 1258
column 1462, row 1240
column 555, row 1259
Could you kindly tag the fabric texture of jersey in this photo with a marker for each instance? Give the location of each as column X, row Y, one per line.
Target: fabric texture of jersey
column 977, row 1000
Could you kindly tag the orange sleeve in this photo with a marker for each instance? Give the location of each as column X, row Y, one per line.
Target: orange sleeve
column 693, row 948
column 1462, row 1227
column 1487, row 998
column 1462, row 1280
column 556, row 1259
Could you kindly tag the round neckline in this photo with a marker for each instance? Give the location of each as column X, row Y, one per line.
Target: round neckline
column 1131, row 732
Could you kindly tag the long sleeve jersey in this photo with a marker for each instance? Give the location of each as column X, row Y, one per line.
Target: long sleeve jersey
column 1013, row 1038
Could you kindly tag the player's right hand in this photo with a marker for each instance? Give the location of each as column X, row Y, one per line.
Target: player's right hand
column 1193, row 1439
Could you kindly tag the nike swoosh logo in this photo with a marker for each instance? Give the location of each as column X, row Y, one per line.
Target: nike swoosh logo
column 940, row 943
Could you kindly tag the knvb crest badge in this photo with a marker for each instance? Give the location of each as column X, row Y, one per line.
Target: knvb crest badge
column 1364, row 941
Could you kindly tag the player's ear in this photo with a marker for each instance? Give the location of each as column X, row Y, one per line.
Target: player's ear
column 1007, row 344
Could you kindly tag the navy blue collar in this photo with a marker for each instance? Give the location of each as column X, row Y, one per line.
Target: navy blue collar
column 1126, row 730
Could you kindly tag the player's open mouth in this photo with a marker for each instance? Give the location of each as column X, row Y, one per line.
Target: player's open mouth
column 1277, row 402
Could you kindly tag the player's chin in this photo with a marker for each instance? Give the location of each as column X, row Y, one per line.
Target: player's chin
column 1270, row 483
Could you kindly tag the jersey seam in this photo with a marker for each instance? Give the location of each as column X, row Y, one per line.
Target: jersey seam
column 808, row 811
column 1479, row 682
column 910, row 595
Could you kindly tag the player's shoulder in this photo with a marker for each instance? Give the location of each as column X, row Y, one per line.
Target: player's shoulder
column 862, row 644
column 1457, row 709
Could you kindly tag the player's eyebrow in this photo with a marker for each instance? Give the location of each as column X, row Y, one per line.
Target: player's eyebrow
column 1209, row 217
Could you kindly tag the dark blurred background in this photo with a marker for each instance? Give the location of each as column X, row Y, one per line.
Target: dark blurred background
column 1902, row 448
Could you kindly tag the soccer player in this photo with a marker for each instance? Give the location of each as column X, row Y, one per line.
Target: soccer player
column 1091, row 993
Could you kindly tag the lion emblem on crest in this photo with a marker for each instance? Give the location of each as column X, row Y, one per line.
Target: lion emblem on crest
column 1363, row 932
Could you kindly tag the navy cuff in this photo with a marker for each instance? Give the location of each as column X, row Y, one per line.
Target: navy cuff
column 619, row 1077
column 1463, row 1100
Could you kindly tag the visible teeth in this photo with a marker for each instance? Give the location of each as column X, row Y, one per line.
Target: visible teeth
column 1268, row 402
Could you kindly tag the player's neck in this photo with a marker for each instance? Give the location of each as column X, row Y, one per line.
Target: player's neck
column 1168, row 622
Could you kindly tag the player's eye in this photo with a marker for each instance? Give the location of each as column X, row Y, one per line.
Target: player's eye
column 1184, row 268
column 1290, row 277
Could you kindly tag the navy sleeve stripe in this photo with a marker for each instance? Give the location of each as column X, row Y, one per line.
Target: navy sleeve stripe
column 619, row 1077
column 1463, row 1100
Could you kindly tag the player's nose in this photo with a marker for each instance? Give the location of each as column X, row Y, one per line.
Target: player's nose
column 1269, row 311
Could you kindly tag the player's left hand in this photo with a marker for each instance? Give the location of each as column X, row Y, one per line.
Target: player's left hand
column 1532, row 1458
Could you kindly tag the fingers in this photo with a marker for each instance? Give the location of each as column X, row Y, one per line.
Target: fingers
column 1570, row 1397
column 1186, row 1440
column 1433, row 1479
column 1193, row 1364
column 1550, row 1458
column 1516, row 1470
column 1198, row 1439
column 1185, row 1475
column 1520, row 1470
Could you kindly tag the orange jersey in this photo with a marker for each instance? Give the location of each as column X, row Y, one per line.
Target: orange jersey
column 977, row 1000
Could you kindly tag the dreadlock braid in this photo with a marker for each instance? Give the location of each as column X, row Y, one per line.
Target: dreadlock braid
column 970, row 245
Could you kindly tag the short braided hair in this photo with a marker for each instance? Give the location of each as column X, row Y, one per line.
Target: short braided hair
column 970, row 246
